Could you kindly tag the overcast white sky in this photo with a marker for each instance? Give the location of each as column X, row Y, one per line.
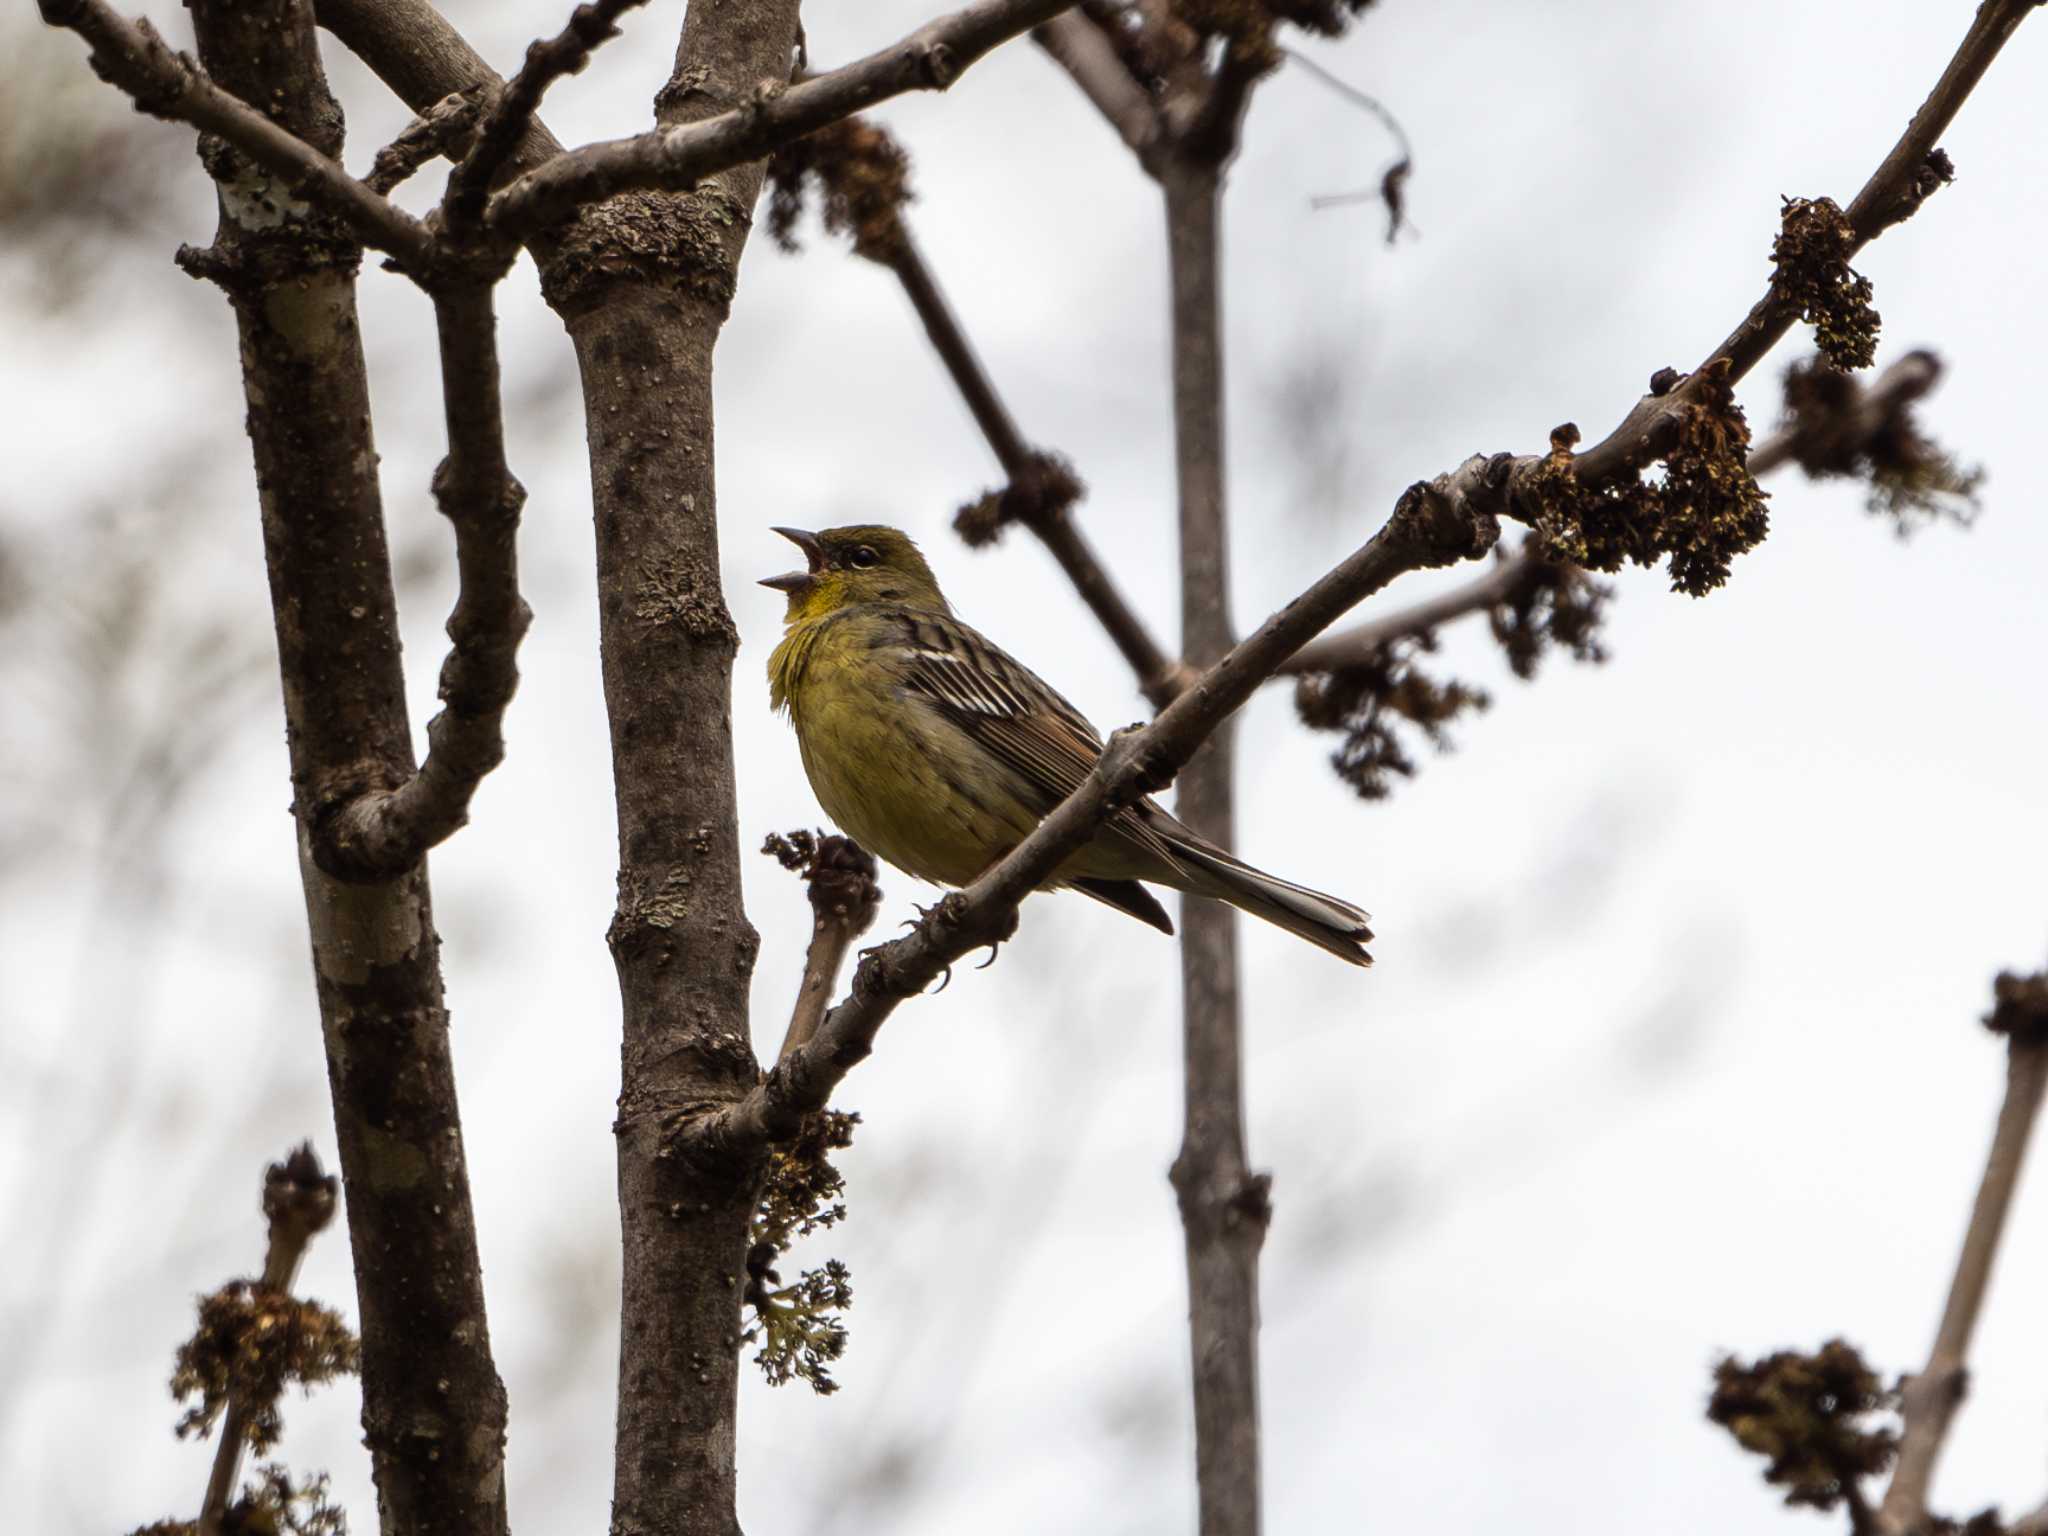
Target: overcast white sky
column 1670, row 1049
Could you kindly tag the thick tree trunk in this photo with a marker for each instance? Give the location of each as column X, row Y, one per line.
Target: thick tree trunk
column 433, row 1407
column 643, row 283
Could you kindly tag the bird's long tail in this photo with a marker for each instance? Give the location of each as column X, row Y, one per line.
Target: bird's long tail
column 1324, row 921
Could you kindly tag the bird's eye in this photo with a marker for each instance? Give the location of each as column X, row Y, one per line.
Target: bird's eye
column 864, row 556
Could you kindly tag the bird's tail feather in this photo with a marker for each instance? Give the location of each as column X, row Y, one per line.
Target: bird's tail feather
column 1324, row 921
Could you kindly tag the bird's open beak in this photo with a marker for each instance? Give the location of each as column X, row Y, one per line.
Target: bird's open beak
column 814, row 555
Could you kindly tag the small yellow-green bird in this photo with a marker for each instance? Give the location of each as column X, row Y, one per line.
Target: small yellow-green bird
column 939, row 752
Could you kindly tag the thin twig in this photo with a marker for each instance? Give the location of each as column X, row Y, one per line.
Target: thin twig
column 1930, row 1398
column 169, row 85
column 414, row 49
column 1871, row 409
column 1160, row 677
column 380, row 834
column 1439, row 522
column 676, row 159
column 298, row 1203
column 512, row 114
column 1894, row 191
column 840, row 882
column 432, row 133
column 1361, row 642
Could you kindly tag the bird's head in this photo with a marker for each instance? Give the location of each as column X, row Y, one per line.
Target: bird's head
column 866, row 563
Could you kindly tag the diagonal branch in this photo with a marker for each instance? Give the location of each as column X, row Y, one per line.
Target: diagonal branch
column 676, row 159
column 1436, row 523
column 1078, row 45
column 1895, row 190
column 1928, row 1400
column 436, row 131
column 505, row 126
column 413, row 48
column 1870, row 410
column 170, row 85
column 1160, row 676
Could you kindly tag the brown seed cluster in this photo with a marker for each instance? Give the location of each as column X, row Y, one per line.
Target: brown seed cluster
column 1703, row 511
column 1811, row 255
column 863, row 178
column 1810, row 1417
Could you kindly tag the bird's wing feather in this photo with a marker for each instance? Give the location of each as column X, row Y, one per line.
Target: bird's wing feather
column 1010, row 712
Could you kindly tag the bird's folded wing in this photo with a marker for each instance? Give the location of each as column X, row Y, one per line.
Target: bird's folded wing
column 1047, row 745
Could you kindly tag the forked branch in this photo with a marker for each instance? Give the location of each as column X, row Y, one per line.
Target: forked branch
column 381, row 833
column 676, row 159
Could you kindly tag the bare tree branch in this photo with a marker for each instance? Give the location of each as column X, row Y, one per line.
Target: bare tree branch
column 505, row 126
column 1928, row 1400
column 433, row 1406
column 1224, row 1206
column 1160, row 676
column 1895, row 190
column 379, row 834
column 436, row 131
column 1871, row 409
column 1349, row 647
column 1078, row 45
column 1436, row 523
column 166, row 84
column 678, row 157
column 839, row 879
column 412, row 48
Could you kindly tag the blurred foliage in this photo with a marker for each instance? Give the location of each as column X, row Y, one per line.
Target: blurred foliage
column 1813, row 1417
column 272, row 1505
column 863, row 179
column 1913, row 480
column 1386, row 700
column 80, row 170
column 250, row 1343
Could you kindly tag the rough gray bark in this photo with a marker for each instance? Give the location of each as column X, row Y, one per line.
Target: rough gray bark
column 643, row 283
column 433, row 1407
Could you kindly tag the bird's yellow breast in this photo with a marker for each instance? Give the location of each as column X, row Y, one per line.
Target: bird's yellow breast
column 892, row 773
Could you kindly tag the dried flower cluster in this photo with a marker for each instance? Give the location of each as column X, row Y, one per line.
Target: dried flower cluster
column 1912, row 479
column 249, row 1344
column 1704, row 511
column 1813, row 275
column 1809, row 1415
column 863, row 177
column 1557, row 605
column 800, row 1333
column 2019, row 1008
column 1035, row 498
column 1387, row 696
column 1375, row 705
column 270, row 1506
